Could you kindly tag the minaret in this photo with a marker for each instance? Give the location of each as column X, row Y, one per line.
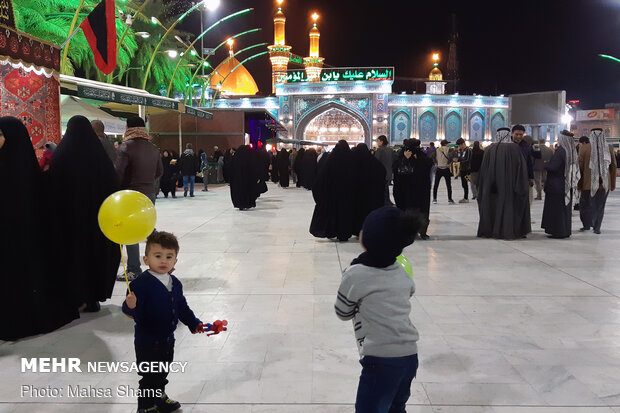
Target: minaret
column 453, row 63
column 279, row 52
column 314, row 63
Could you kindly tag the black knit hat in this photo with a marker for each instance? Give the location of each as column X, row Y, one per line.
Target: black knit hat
column 387, row 230
column 135, row 122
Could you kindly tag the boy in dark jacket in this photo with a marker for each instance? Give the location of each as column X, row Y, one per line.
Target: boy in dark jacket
column 375, row 294
column 156, row 303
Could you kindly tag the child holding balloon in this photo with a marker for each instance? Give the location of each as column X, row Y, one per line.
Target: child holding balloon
column 374, row 294
column 156, row 303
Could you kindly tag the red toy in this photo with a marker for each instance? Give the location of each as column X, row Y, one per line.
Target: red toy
column 216, row 328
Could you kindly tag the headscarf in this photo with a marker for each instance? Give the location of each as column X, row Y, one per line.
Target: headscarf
column 136, row 132
column 502, row 136
column 600, row 159
column 571, row 168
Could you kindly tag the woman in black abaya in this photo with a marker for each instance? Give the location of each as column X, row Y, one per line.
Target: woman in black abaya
column 170, row 176
column 297, row 167
column 282, row 165
column 332, row 192
column 245, row 176
column 368, row 185
column 412, row 182
column 308, row 168
column 32, row 301
column 82, row 177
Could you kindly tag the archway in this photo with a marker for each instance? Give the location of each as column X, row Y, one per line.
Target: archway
column 476, row 127
column 428, row 127
column 331, row 122
column 453, row 126
column 497, row 121
column 401, row 126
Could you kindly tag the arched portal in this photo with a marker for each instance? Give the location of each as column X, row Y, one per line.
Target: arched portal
column 453, row 126
column 428, row 127
column 331, row 122
column 497, row 122
column 476, row 127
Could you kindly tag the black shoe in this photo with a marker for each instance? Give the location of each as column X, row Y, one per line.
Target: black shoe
column 152, row 409
column 92, row 307
column 451, row 202
column 174, row 196
column 165, row 196
column 597, row 231
column 191, row 195
column 166, row 404
column 584, row 229
column 424, row 236
column 184, row 193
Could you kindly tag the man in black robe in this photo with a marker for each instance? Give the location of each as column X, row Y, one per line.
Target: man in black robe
column 33, row 300
column 332, row 192
column 282, row 167
column 82, row 177
column 368, row 185
column 503, row 190
column 245, row 176
column 412, row 182
column 560, row 187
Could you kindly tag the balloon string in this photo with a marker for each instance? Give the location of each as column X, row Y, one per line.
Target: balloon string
column 124, row 268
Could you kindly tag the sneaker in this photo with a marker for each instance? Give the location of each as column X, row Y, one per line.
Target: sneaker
column 597, row 231
column 464, row 201
column 434, row 201
column 191, row 195
column 584, row 229
column 185, row 193
column 167, row 405
column 152, row 409
column 451, row 202
column 130, row 276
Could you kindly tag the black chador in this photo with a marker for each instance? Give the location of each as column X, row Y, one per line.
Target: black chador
column 332, row 192
column 368, row 185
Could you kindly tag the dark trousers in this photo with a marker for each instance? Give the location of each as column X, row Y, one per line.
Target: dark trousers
column 151, row 382
column 592, row 208
column 385, row 384
column 442, row 173
column 386, row 194
column 465, row 185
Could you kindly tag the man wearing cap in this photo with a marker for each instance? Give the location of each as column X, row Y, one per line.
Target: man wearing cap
column 443, row 158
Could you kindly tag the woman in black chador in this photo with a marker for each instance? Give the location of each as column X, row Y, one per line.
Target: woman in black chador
column 82, row 177
column 228, row 155
column 32, row 301
column 245, row 174
column 368, row 185
column 282, row 165
column 412, row 182
column 561, row 184
column 170, row 176
column 308, row 168
column 297, row 167
column 332, row 192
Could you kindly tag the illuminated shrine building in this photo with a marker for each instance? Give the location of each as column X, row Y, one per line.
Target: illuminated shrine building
column 235, row 79
column 324, row 104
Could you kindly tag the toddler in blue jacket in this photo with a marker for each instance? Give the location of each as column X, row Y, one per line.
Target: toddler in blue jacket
column 156, row 303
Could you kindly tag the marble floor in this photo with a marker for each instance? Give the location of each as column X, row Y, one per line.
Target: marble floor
column 505, row 326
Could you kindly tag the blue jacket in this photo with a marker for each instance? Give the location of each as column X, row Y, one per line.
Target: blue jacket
column 158, row 310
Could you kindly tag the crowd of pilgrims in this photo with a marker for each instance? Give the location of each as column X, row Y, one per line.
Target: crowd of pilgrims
column 54, row 200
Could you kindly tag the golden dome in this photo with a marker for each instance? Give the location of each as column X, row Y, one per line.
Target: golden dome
column 435, row 74
column 240, row 82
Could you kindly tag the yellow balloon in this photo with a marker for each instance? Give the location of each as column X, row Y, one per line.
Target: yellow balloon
column 127, row 217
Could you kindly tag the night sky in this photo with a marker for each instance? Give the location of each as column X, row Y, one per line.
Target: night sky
column 504, row 47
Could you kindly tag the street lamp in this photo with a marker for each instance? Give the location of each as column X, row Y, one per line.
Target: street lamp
column 211, row 4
